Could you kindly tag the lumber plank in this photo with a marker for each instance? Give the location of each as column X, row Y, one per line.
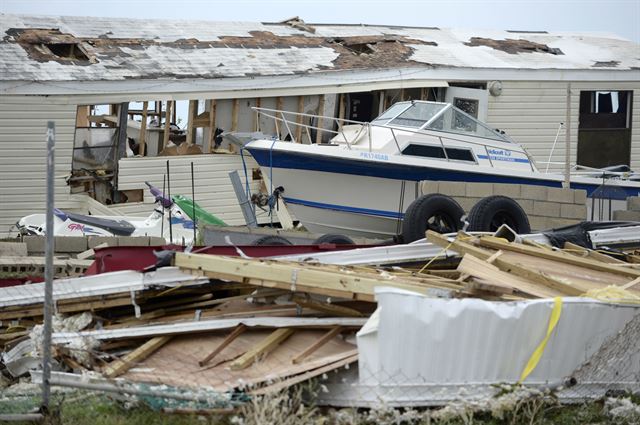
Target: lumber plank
column 299, row 119
column 193, row 109
column 118, row 367
column 296, row 277
column 563, row 286
column 578, row 250
column 228, row 340
column 212, row 127
column 496, row 243
column 333, row 309
column 351, row 357
column 475, row 267
column 167, row 124
column 328, row 336
column 461, row 247
column 281, row 209
column 143, row 128
column 263, row 348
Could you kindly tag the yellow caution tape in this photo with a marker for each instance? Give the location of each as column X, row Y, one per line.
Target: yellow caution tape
column 613, row 294
column 537, row 354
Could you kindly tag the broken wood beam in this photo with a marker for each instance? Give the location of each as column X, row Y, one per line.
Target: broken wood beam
column 143, row 129
column 167, row 123
column 118, row 367
column 228, row 340
column 263, row 348
column 331, row 308
column 458, row 245
column 563, row 257
column 316, row 345
column 193, row 109
column 294, row 277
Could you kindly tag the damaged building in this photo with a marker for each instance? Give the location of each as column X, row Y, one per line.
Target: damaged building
column 114, row 88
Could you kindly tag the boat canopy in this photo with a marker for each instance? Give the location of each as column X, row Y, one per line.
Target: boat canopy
column 436, row 116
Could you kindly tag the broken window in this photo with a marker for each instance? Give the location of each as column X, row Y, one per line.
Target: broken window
column 604, row 129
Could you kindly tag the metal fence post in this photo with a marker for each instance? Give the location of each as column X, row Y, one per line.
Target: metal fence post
column 48, row 288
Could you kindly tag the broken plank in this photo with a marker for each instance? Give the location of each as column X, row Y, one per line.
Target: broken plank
column 265, row 346
column 352, row 357
column 458, row 245
column 331, row 308
column 561, row 286
column 562, row 257
column 292, row 276
column 228, row 340
column 119, row 367
column 316, row 345
column 572, row 248
column 475, row 267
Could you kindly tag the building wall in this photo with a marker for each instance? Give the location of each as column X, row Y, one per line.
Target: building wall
column 530, row 112
column 23, row 154
column 213, row 190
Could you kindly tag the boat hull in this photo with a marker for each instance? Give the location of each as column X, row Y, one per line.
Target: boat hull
column 367, row 194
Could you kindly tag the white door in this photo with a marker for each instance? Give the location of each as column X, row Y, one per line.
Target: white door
column 471, row 101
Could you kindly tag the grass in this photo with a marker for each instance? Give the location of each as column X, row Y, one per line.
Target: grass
column 289, row 408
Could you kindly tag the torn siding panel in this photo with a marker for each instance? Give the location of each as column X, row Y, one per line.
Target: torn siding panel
column 23, row 159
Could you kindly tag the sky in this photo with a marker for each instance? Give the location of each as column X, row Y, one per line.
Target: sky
column 620, row 17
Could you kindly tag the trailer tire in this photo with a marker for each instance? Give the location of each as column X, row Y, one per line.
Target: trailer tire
column 271, row 240
column 431, row 212
column 493, row 211
column 334, row 239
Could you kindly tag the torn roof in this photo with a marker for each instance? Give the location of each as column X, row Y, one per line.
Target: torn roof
column 47, row 49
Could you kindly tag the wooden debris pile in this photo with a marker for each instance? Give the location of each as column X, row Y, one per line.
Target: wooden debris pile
column 243, row 324
column 494, row 267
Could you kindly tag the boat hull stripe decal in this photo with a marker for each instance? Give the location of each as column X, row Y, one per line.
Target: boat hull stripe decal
column 365, row 211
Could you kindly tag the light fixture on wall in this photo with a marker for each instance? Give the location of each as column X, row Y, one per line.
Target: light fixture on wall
column 495, row 88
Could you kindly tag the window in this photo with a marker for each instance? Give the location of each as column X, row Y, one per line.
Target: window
column 604, row 129
column 429, row 151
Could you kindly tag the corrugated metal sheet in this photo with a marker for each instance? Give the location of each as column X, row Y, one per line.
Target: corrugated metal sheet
column 419, row 350
column 531, row 112
column 213, row 190
column 23, row 159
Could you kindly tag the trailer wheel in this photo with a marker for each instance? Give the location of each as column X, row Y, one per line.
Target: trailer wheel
column 436, row 212
column 272, row 240
column 493, row 211
column 334, row 239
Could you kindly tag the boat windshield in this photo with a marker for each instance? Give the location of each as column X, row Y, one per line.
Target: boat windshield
column 439, row 117
column 453, row 120
column 417, row 115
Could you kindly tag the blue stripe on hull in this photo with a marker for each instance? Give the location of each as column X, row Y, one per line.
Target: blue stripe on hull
column 313, row 162
column 343, row 208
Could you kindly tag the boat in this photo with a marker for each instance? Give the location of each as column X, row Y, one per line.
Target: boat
column 368, row 174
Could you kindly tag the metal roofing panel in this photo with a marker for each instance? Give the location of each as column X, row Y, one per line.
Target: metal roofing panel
column 173, row 49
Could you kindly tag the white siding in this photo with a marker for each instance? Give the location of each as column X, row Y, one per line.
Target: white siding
column 213, row 190
column 530, row 112
column 23, row 153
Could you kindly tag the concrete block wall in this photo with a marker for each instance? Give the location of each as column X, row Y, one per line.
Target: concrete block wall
column 632, row 213
column 71, row 245
column 546, row 207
